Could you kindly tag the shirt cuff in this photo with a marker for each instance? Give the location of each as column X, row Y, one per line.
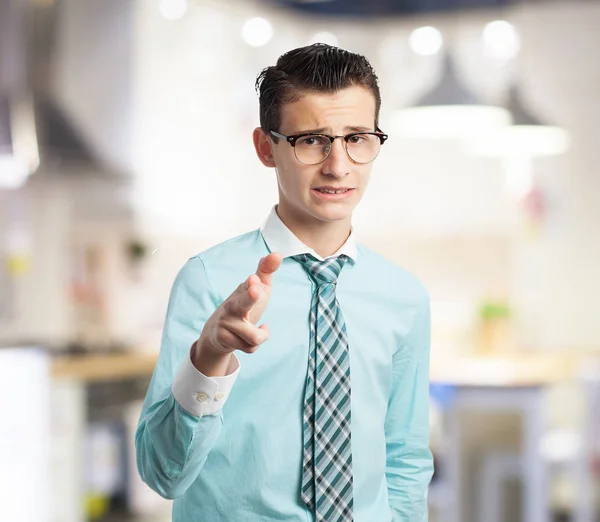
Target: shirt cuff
column 201, row 395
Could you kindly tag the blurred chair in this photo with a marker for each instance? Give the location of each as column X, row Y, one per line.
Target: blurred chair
column 578, row 452
column 496, row 468
column 587, row 465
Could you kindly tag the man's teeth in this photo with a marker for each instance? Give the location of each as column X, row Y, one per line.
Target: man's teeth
column 327, row 191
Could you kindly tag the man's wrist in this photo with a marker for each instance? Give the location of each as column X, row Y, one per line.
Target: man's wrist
column 208, row 362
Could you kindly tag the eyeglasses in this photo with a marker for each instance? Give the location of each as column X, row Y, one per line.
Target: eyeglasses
column 312, row 149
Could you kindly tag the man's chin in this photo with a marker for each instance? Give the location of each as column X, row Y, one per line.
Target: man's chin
column 332, row 213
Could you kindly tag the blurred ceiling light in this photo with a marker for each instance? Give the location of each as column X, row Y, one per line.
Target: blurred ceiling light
column 501, row 40
column 518, row 144
column 257, row 32
column 326, row 38
column 13, row 173
column 173, row 9
column 19, row 155
column 448, row 111
column 426, row 41
column 526, row 137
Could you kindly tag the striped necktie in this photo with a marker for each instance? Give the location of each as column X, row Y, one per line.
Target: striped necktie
column 327, row 455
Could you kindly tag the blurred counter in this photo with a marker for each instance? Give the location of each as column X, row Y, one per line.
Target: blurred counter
column 511, row 369
column 103, row 367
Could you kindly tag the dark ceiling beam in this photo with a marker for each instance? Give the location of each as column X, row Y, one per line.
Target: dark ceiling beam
column 378, row 8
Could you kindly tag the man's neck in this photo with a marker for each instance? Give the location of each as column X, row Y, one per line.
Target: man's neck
column 324, row 238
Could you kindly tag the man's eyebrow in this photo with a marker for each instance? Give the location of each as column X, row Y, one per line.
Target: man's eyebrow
column 359, row 129
column 323, row 130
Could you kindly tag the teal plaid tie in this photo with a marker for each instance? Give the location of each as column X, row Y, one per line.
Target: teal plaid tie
column 327, row 457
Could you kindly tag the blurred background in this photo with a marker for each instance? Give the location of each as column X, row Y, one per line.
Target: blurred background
column 125, row 149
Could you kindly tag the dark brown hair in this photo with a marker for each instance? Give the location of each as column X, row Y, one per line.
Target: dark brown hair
column 314, row 68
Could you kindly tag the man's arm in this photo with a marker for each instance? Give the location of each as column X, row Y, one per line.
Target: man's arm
column 409, row 460
column 174, row 437
column 181, row 420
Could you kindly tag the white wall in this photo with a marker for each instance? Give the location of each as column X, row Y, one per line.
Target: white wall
column 37, row 310
column 558, row 279
column 92, row 74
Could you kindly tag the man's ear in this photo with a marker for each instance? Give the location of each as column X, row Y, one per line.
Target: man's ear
column 263, row 147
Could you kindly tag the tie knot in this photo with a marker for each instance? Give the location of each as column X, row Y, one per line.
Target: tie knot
column 322, row 272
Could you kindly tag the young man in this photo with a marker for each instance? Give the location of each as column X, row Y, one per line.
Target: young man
column 322, row 415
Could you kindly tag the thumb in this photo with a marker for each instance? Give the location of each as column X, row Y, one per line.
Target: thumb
column 267, row 266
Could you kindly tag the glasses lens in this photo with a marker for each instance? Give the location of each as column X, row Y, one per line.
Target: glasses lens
column 363, row 148
column 312, row 149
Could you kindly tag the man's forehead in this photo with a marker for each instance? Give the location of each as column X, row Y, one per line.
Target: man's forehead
column 353, row 107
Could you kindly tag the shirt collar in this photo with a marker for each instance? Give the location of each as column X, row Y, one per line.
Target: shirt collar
column 281, row 239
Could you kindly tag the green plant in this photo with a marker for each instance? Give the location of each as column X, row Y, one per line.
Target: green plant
column 494, row 310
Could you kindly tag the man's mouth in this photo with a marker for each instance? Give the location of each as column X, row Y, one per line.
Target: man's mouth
column 327, row 190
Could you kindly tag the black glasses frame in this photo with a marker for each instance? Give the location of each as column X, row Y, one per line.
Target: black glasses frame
column 295, row 137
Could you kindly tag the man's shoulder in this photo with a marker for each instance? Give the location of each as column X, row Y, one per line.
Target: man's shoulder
column 224, row 265
column 237, row 246
column 391, row 275
column 231, row 260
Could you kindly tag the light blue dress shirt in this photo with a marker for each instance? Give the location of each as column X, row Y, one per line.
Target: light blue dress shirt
column 229, row 449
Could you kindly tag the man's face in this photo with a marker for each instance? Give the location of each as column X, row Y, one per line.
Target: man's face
column 349, row 110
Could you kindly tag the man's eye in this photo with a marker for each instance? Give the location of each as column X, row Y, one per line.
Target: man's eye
column 357, row 138
column 311, row 141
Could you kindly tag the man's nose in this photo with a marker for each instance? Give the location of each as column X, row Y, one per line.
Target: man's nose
column 337, row 163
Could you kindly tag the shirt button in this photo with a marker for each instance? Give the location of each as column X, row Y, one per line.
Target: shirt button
column 219, row 396
column 201, row 397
